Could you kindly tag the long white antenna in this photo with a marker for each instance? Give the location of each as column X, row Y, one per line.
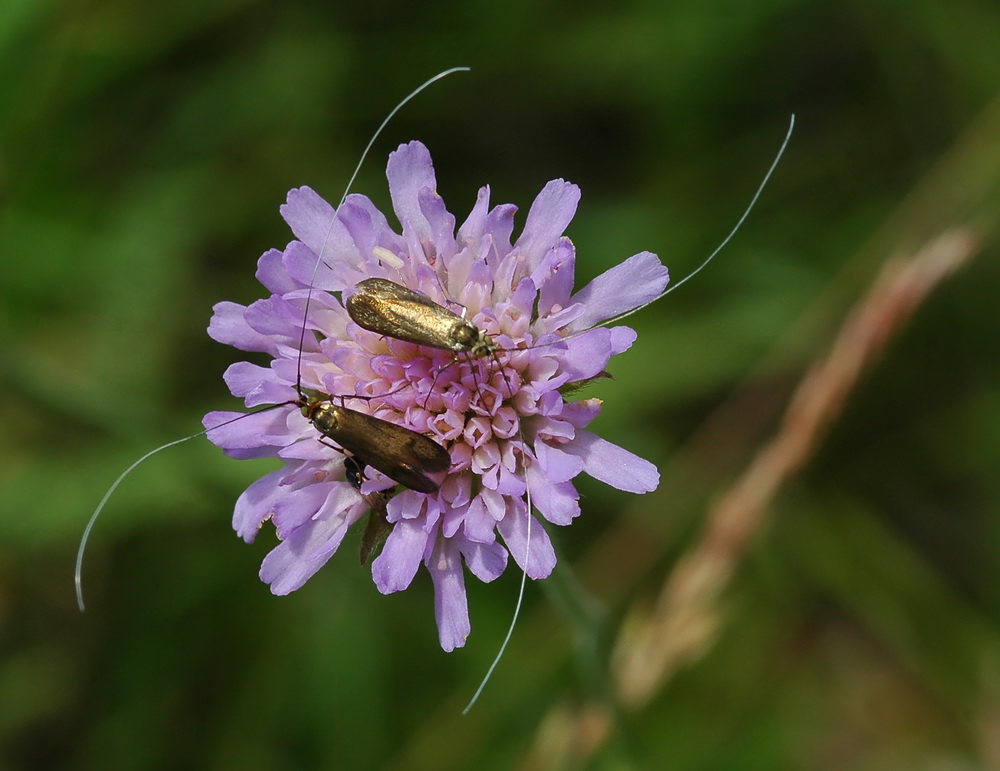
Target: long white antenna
column 725, row 241
column 77, row 574
column 388, row 118
column 517, row 607
column 692, row 274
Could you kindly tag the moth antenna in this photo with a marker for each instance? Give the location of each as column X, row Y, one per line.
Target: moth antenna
column 77, row 573
column 726, row 240
column 520, row 596
column 347, row 189
column 389, row 117
column 692, row 274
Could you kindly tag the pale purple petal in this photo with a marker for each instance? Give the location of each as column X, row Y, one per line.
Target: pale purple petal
column 256, row 503
column 554, row 277
column 284, row 570
column 248, row 435
column 369, row 229
column 272, row 274
column 584, row 356
column 277, row 318
column 547, row 219
column 441, row 223
column 524, row 294
column 559, row 320
column 540, row 554
column 511, row 481
column 479, row 523
column 257, row 385
column 320, row 501
column 557, row 429
column 486, row 561
column 621, row 339
column 296, row 559
column 410, row 505
column 395, row 567
column 472, row 230
column 556, row 465
column 409, row 171
column 309, row 216
column 637, row 281
column 229, row 327
column 500, row 224
column 614, row 465
column 558, row 502
column 451, row 607
column 307, row 269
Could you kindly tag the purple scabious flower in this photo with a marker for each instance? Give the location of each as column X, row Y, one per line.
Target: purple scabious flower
column 504, row 420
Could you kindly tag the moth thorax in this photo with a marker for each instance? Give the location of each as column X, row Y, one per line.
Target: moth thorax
column 323, row 415
column 466, row 337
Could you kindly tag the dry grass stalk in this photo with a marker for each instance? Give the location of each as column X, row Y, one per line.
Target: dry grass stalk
column 684, row 621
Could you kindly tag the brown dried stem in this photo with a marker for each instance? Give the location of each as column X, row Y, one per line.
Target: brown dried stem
column 683, row 623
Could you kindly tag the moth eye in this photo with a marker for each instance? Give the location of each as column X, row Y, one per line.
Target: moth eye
column 483, row 346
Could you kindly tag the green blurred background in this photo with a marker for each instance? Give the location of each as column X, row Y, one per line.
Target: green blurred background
column 144, row 151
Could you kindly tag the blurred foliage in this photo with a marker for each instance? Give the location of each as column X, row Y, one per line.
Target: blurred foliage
column 144, row 151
